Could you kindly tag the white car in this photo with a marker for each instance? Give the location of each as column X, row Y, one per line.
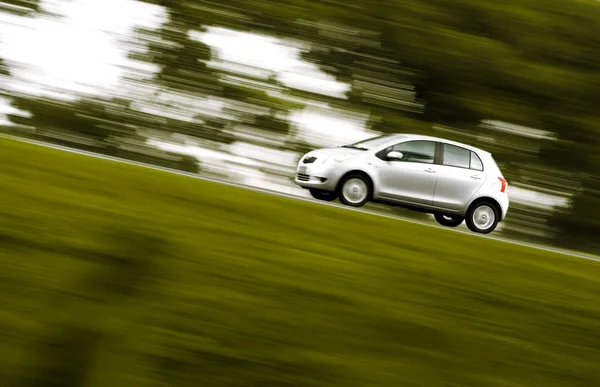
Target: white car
column 453, row 181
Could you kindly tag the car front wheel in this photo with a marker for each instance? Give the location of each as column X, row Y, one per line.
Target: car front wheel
column 482, row 217
column 319, row 194
column 355, row 190
column 449, row 221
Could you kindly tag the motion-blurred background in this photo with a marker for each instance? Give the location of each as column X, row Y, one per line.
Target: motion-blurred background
column 112, row 275
column 239, row 89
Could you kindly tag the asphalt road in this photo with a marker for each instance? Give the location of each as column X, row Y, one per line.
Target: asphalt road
column 374, row 210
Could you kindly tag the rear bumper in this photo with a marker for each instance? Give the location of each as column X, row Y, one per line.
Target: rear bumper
column 504, row 210
column 504, row 204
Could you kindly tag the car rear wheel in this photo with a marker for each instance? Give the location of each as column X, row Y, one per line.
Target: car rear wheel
column 319, row 194
column 355, row 190
column 482, row 217
column 449, row 221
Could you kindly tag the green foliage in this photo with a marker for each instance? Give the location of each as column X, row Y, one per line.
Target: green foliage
column 69, row 350
column 189, row 164
column 4, row 71
column 21, row 7
column 181, row 60
column 274, row 124
column 582, row 223
column 89, row 117
column 62, row 357
column 174, row 281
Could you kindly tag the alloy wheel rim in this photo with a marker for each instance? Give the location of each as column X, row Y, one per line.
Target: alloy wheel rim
column 484, row 217
column 355, row 190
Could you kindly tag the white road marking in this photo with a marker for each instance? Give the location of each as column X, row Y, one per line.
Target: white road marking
column 305, row 199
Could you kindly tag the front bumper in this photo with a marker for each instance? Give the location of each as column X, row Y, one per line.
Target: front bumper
column 316, row 175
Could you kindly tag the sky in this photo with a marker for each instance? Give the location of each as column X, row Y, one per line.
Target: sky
column 77, row 53
column 82, row 53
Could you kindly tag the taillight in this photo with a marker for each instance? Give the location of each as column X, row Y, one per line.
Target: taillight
column 504, row 184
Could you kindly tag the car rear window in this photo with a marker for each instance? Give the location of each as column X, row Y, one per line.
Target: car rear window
column 476, row 162
column 455, row 156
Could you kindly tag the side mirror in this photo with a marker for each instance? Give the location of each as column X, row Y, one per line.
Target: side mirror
column 395, row 156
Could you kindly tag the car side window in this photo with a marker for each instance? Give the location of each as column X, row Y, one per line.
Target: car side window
column 454, row 156
column 416, row 151
column 476, row 162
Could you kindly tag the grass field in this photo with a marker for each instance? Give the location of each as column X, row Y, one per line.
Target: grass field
column 116, row 275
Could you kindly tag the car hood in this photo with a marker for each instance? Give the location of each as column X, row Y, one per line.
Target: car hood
column 333, row 152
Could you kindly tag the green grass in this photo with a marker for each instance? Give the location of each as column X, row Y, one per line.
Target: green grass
column 115, row 275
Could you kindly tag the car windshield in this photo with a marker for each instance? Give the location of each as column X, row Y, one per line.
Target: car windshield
column 371, row 143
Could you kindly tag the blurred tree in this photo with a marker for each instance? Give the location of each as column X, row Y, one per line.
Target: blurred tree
column 4, row 68
column 4, row 74
column 183, row 67
column 181, row 60
column 87, row 117
column 579, row 228
column 20, row 7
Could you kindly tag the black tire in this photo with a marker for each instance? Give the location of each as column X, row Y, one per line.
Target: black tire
column 449, row 221
column 483, row 207
column 354, row 179
column 319, row 194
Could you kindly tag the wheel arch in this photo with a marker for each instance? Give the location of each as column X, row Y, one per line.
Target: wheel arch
column 490, row 200
column 356, row 172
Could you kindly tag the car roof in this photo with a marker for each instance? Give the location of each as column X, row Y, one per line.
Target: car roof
column 410, row 136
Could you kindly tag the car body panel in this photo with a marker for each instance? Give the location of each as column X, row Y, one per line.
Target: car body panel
column 405, row 181
column 456, row 186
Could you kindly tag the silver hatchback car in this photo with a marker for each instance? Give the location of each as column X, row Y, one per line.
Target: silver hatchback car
column 453, row 181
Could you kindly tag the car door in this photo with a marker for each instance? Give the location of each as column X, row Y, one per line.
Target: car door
column 459, row 177
column 412, row 179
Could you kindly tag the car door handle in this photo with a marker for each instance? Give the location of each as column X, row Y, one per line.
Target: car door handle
column 429, row 170
column 475, row 177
